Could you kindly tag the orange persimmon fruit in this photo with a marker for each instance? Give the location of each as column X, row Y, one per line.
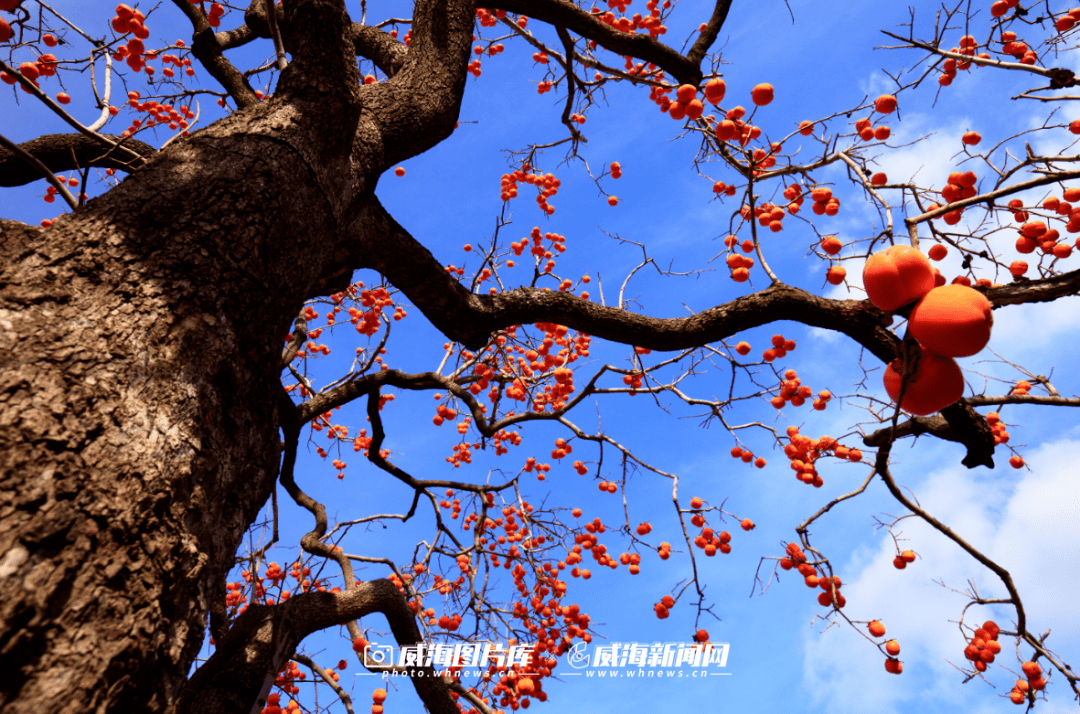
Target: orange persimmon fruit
column 885, row 104
column 715, row 89
column 762, row 94
column 953, row 321
column 897, row 276
column 937, row 383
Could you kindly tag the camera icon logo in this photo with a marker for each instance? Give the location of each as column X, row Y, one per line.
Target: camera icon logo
column 381, row 654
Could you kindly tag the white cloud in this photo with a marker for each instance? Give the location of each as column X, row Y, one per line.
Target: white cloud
column 831, row 337
column 1033, row 328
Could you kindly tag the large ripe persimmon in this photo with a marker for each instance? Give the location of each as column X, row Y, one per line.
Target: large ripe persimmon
column 762, row 94
column 953, row 321
column 937, row 383
column 885, row 104
column 897, row 276
column 715, row 89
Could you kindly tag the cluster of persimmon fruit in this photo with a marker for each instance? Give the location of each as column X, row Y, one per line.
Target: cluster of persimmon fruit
column 983, row 646
column 747, row 456
column 662, row 608
column 968, row 45
column 708, row 540
column 1001, row 434
column 174, row 117
column 1036, row 234
column 803, row 452
column 780, row 347
column 767, row 214
column 830, row 586
column 1025, row 688
column 686, row 105
column 287, row 677
column 947, row 321
column 650, row 23
column 793, row 391
column 291, row 673
column 547, row 183
column 44, row 66
column 901, row 561
column 273, row 705
column 1010, row 44
column 959, row 186
column 740, row 264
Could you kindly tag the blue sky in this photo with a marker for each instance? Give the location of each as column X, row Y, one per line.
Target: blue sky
column 781, row 654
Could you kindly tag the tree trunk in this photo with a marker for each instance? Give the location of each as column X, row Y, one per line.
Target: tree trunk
column 141, row 346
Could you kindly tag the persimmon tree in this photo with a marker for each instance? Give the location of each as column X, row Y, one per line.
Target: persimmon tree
column 165, row 341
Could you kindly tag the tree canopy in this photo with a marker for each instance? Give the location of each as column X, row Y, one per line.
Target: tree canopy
column 332, row 325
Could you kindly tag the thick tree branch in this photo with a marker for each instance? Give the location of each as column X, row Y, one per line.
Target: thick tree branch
column 345, row 393
column 48, row 101
column 65, row 152
column 706, row 39
column 419, row 107
column 39, row 168
column 367, row 41
column 915, row 426
column 323, row 59
column 971, row 430
column 378, row 46
column 957, row 422
column 1043, row 290
column 231, row 39
column 258, row 22
column 471, row 319
column 209, row 51
column 263, row 638
column 560, row 13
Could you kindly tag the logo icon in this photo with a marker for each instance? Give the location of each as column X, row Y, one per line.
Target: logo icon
column 577, row 657
column 381, row 654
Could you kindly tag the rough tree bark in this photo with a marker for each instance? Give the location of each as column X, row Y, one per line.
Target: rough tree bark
column 140, row 381
column 140, row 344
